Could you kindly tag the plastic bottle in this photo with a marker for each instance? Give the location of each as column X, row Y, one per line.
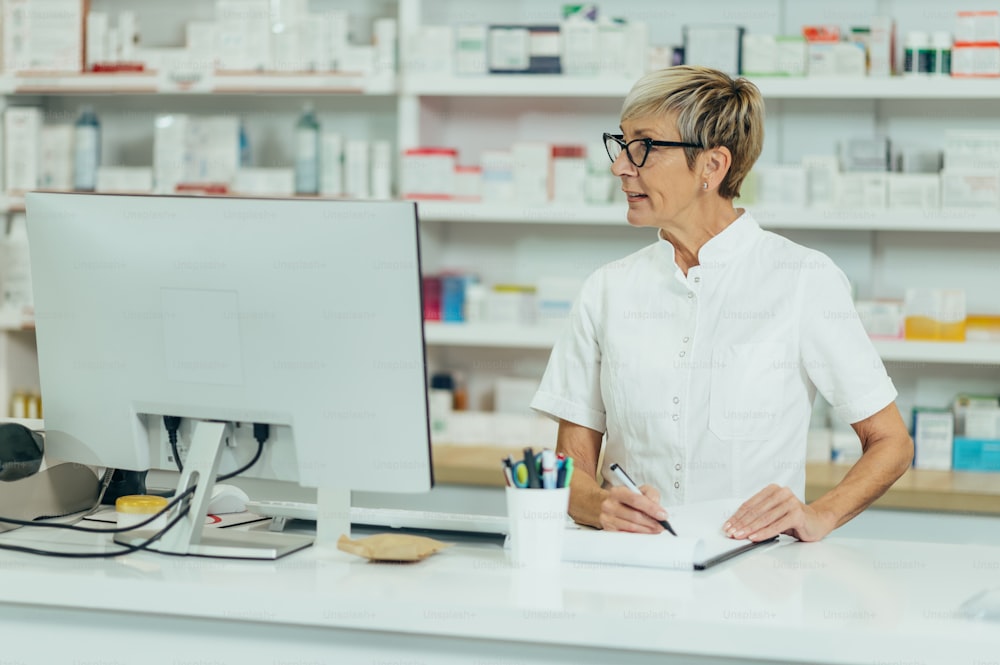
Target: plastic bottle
column 440, row 401
column 246, row 160
column 941, row 43
column 15, row 265
column 86, row 150
column 307, row 152
column 917, row 54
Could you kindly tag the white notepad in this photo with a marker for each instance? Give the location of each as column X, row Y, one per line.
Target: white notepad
column 700, row 542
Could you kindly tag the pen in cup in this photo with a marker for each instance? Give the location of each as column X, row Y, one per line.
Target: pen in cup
column 627, row 482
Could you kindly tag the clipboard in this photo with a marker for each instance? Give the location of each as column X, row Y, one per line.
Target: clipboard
column 726, row 556
column 700, row 544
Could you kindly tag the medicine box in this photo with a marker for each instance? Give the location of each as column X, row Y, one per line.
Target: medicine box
column 524, row 49
column 976, row 454
column 781, row 185
column 975, row 61
column 43, row 35
column 130, row 179
column 716, row 46
column 971, row 150
column 881, row 318
column 56, row 157
column 580, row 50
column 977, row 27
column 966, row 402
column 914, row 191
column 429, row 173
column 265, row 181
column 933, row 434
column 862, row 190
column 970, row 189
column 881, row 46
column 22, row 127
column 470, row 49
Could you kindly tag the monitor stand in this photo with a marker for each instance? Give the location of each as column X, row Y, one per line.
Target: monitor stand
column 189, row 536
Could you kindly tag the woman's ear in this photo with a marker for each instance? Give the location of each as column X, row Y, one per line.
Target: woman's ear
column 716, row 165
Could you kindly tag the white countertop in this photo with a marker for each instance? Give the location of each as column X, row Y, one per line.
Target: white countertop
column 842, row 600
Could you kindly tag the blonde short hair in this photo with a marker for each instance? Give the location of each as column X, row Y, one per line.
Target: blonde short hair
column 711, row 109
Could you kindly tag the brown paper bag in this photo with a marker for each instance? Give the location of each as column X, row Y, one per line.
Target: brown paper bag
column 391, row 547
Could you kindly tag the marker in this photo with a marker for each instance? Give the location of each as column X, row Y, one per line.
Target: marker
column 548, row 469
column 627, row 482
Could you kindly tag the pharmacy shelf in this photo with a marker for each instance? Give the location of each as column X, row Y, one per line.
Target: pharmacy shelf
column 12, row 321
column 937, row 220
column 444, row 211
column 9, row 203
column 950, row 220
column 490, row 335
column 956, row 353
column 544, row 337
column 930, row 220
column 549, row 85
column 895, row 87
column 162, row 83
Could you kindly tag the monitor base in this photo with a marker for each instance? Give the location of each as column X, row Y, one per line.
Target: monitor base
column 225, row 543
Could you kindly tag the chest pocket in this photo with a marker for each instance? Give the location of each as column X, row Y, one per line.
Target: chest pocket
column 747, row 390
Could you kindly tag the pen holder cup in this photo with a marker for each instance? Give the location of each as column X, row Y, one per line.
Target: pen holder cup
column 537, row 523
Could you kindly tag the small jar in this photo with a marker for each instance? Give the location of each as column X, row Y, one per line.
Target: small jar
column 941, row 44
column 917, row 54
column 136, row 508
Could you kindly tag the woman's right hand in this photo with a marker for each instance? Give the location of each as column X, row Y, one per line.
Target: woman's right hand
column 624, row 510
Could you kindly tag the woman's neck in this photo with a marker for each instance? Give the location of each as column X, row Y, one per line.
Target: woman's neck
column 689, row 236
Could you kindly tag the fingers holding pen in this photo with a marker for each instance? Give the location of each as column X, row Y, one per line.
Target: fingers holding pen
column 624, row 510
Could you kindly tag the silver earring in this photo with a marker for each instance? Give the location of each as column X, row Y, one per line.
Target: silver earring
column 704, row 185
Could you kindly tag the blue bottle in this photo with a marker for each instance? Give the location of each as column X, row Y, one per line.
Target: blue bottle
column 86, row 150
column 246, row 160
column 307, row 152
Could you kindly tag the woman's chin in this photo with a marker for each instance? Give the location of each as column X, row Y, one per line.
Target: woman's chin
column 638, row 219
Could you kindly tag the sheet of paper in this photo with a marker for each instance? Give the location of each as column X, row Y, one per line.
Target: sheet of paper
column 109, row 516
column 700, row 537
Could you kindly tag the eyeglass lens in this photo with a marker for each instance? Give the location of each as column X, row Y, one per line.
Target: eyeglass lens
column 636, row 150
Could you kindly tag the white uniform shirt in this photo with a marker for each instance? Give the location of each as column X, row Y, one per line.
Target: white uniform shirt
column 704, row 383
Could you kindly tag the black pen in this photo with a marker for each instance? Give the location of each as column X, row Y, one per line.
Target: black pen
column 627, row 482
column 534, row 482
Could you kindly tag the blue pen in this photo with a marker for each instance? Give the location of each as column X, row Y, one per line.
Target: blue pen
column 561, row 471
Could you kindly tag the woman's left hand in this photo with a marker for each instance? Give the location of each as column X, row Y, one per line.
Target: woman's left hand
column 775, row 510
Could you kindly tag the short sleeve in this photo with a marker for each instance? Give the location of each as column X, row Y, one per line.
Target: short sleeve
column 571, row 386
column 837, row 353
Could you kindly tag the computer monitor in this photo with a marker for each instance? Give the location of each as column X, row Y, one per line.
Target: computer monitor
column 302, row 314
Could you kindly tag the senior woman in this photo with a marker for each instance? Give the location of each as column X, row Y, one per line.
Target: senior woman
column 700, row 355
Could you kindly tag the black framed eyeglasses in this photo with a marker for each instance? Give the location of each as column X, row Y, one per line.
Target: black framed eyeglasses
column 637, row 150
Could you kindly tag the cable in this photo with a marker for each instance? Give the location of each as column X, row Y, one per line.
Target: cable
column 87, row 529
column 172, row 424
column 126, row 549
column 261, row 432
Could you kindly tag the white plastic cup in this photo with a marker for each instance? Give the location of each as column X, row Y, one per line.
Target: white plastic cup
column 537, row 524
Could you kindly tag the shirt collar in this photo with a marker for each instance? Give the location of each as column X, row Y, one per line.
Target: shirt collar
column 733, row 241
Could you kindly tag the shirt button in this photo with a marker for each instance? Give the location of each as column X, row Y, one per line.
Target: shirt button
column 677, row 400
column 676, row 417
column 686, row 339
column 697, row 280
column 683, row 354
column 677, row 467
column 690, row 294
column 677, row 486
